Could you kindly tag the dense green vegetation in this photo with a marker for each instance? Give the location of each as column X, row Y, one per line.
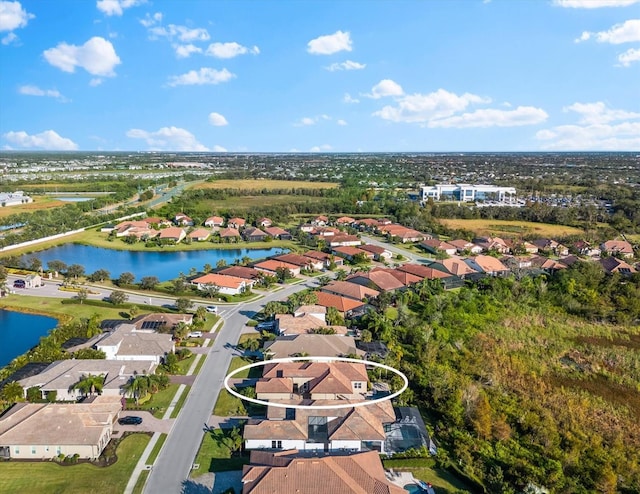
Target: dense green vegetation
column 526, row 381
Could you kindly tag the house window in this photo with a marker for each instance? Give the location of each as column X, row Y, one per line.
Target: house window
column 276, row 444
column 33, row 450
column 16, row 450
column 357, row 385
column 58, row 450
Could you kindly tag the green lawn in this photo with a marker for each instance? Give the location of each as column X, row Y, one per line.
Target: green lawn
column 228, row 405
column 423, row 468
column 183, row 365
column 156, row 449
column 214, row 456
column 180, row 402
column 49, row 477
column 142, row 479
column 158, row 403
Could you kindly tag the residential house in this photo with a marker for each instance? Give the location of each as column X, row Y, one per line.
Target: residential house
column 182, row 219
column 323, row 257
column 407, row 279
column 320, row 221
column 158, row 222
column 546, row 264
column 287, row 471
column 228, row 285
column 620, row 248
column 458, row 267
column 271, row 267
column 137, row 229
column 304, row 263
column 325, row 231
column 488, row 265
column 436, row 246
column 344, row 241
column 492, row 244
column 174, row 234
column 517, row 262
column 214, row 221
column 303, row 322
column 379, row 253
column 377, row 279
column 236, row 223
column 463, row 246
column 264, row 222
column 350, row 290
column 551, row 246
column 43, row 431
column 313, row 345
column 345, row 220
column 230, row 234
column 584, row 248
column 278, row 233
column 367, row 224
column 349, row 253
column 252, row 234
column 60, row 376
column 344, row 305
column 424, row 272
column 241, row 272
column 156, row 320
column 199, row 235
column 128, row 343
column 402, row 233
column 614, row 265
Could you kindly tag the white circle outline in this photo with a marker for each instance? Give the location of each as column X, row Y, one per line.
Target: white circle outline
column 289, row 360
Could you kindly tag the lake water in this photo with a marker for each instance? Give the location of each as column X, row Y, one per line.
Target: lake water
column 20, row 332
column 165, row 265
column 75, row 199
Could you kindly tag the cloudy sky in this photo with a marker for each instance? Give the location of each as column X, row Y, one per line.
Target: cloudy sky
column 320, row 76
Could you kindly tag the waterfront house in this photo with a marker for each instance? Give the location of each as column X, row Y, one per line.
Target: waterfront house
column 228, row 285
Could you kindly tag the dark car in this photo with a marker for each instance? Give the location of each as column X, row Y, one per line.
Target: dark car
column 19, row 284
column 130, row 420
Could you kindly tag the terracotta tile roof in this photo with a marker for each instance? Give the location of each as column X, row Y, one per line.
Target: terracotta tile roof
column 331, row 381
column 343, row 220
column 423, row 271
column 381, row 279
column 315, row 345
column 350, row 251
column 343, row 304
column 458, row 267
column 236, row 221
column 376, row 249
column 273, row 265
column 614, row 265
column 215, row 220
column 295, row 259
column 621, row 246
column 275, row 231
column 172, row 232
column 275, row 430
column 351, row 290
column 438, row 244
column 221, row 280
column 368, row 222
column 274, row 385
column 314, row 254
column 352, row 371
column 359, row 423
column 229, row 232
column 241, row 272
column 199, row 233
column 345, row 238
column 490, row 264
column 405, row 278
column 254, row 232
column 290, row 324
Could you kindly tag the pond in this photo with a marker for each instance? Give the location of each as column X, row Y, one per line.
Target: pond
column 164, row 265
column 75, row 199
column 20, row 332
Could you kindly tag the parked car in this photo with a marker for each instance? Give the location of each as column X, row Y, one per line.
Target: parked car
column 130, row 420
column 195, row 334
column 266, row 326
column 212, row 308
column 19, row 284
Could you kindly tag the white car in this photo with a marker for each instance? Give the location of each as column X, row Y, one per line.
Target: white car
column 212, row 308
column 195, row 334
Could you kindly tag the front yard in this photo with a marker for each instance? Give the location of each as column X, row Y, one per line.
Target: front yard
column 49, row 477
column 215, row 456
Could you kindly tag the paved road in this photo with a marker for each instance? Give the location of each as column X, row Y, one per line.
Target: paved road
column 173, row 465
column 415, row 258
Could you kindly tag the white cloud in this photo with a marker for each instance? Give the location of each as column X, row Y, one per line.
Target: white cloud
column 30, row 90
column 317, row 149
column 205, row 75
column 628, row 57
column 217, row 120
column 330, row 43
column 421, row 108
column 341, row 122
column 13, row 16
column 386, row 87
column 219, row 149
column 595, row 130
column 593, row 4
column 96, row 81
column 9, row 38
column 116, row 7
column 168, row 139
column 185, row 51
column 489, row 117
column 97, row 56
column 627, row 32
column 151, row 20
column 49, row 140
column 346, row 65
column 182, row 33
column 230, row 50
column 597, row 113
column 349, row 99
column 307, row 121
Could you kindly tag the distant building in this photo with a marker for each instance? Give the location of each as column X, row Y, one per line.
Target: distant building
column 467, row 193
column 13, row 198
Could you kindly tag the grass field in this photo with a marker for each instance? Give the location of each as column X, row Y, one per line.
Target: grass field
column 265, row 184
column 215, row 456
column 49, row 477
column 244, row 203
column 511, row 228
column 39, row 204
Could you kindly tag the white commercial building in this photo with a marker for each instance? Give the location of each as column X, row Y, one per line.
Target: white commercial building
column 467, row 193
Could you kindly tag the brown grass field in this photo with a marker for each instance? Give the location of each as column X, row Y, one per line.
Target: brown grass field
column 38, row 205
column 265, row 184
column 511, row 228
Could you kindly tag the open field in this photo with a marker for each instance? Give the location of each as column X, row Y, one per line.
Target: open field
column 511, row 228
column 39, row 204
column 49, row 477
column 244, row 203
column 265, row 184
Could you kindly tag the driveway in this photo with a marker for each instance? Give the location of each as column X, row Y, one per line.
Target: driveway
column 149, row 423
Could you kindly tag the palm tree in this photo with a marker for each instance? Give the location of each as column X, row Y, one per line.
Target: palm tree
column 137, row 386
column 12, row 392
column 89, row 385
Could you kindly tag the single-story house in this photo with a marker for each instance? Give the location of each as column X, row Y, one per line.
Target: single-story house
column 253, row 234
column 236, row 223
column 174, row 233
column 264, row 222
column 617, row 247
column 244, row 272
column 230, row 234
column 349, row 252
column 378, row 279
column 551, row 246
column 344, row 241
column 464, row 245
column 379, row 252
column 350, row 290
column 615, row 265
column 128, row 343
column 345, row 220
column 496, row 244
column 424, row 272
column 324, row 257
column 278, row 233
column 488, row 265
column 313, row 345
column 182, row 219
column 437, row 246
column 214, row 221
column 320, row 221
column 271, row 267
column 344, row 305
column 458, row 267
column 199, row 234
column 43, row 431
column 301, row 261
column 228, row 285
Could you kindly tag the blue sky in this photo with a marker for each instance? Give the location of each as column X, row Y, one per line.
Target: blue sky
column 320, row 76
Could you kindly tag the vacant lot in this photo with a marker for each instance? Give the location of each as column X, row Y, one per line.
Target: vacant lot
column 265, row 184
column 511, row 228
column 49, row 477
column 39, row 204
